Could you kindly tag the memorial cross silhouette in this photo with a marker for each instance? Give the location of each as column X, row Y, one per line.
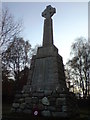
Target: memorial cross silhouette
column 48, row 25
column 48, row 12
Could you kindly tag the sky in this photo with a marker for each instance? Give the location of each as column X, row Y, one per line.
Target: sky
column 69, row 23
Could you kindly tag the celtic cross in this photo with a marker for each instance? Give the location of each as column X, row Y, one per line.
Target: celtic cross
column 48, row 12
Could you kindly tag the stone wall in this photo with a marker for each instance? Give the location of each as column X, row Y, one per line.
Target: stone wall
column 47, row 103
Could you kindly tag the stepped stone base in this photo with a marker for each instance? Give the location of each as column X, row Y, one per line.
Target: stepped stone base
column 47, row 104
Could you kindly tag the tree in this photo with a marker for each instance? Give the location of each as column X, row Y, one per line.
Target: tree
column 7, row 86
column 16, row 57
column 34, row 50
column 9, row 28
column 86, row 66
column 79, row 65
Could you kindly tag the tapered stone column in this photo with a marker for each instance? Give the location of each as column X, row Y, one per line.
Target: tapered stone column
column 48, row 26
column 48, row 33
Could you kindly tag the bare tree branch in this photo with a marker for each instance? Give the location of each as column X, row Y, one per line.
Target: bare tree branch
column 9, row 28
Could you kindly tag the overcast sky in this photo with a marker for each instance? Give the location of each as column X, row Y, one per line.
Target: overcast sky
column 69, row 22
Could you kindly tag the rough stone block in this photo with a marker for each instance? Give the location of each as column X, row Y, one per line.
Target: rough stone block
column 15, row 105
column 59, row 108
column 41, row 106
column 23, row 105
column 16, row 100
column 51, row 98
column 47, row 92
column 51, row 108
column 13, row 109
column 18, row 110
column 27, row 111
column 46, row 113
column 26, row 88
column 29, row 106
column 28, row 100
column 59, row 114
column 59, row 101
column 45, row 101
column 64, row 108
column 38, row 94
column 21, row 100
column 25, row 95
column 18, row 95
column 35, row 100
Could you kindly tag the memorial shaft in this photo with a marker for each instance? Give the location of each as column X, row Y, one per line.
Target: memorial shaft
column 48, row 32
column 48, row 26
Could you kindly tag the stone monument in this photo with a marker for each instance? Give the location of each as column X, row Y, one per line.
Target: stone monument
column 46, row 93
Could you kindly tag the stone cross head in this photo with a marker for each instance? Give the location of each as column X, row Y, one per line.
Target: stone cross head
column 48, row 12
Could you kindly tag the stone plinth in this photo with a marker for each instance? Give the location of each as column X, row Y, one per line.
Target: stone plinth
column 59, row 105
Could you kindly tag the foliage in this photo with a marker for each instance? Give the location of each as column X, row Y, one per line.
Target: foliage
column 15, row 66
column 78, row 67
column 16, row 57
column 16, row 54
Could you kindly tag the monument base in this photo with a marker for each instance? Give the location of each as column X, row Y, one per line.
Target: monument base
column 46, row 104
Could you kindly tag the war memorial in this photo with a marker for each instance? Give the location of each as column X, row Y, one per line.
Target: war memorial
column 46, row 93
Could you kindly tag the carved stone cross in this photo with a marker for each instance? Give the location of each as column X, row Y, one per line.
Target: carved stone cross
column 48, row 12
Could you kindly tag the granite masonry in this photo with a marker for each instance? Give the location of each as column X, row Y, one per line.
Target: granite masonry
column 46, row 93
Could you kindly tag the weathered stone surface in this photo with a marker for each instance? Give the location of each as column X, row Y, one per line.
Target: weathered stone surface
column 46, row 107
column 13, row 110
column 52, row 100
column 46, row 113
column 41, row 106
column 51, row 108
column 23, row 105
column 35, row 100
column 45, row 101
column 26, row 88
column 59, row 101
column 62, row 95
column 29, row 106
column 18, row 95
column 27, row 111
column 15, row 105
column 54, row 94
column 21, row 100
column 18, row 110
column 38, row 94
column 59, row 114
column 47, row 92
column 64, row 108
column 59, row 108
column 28, row 100
column 16, row 100
column 25, row 95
